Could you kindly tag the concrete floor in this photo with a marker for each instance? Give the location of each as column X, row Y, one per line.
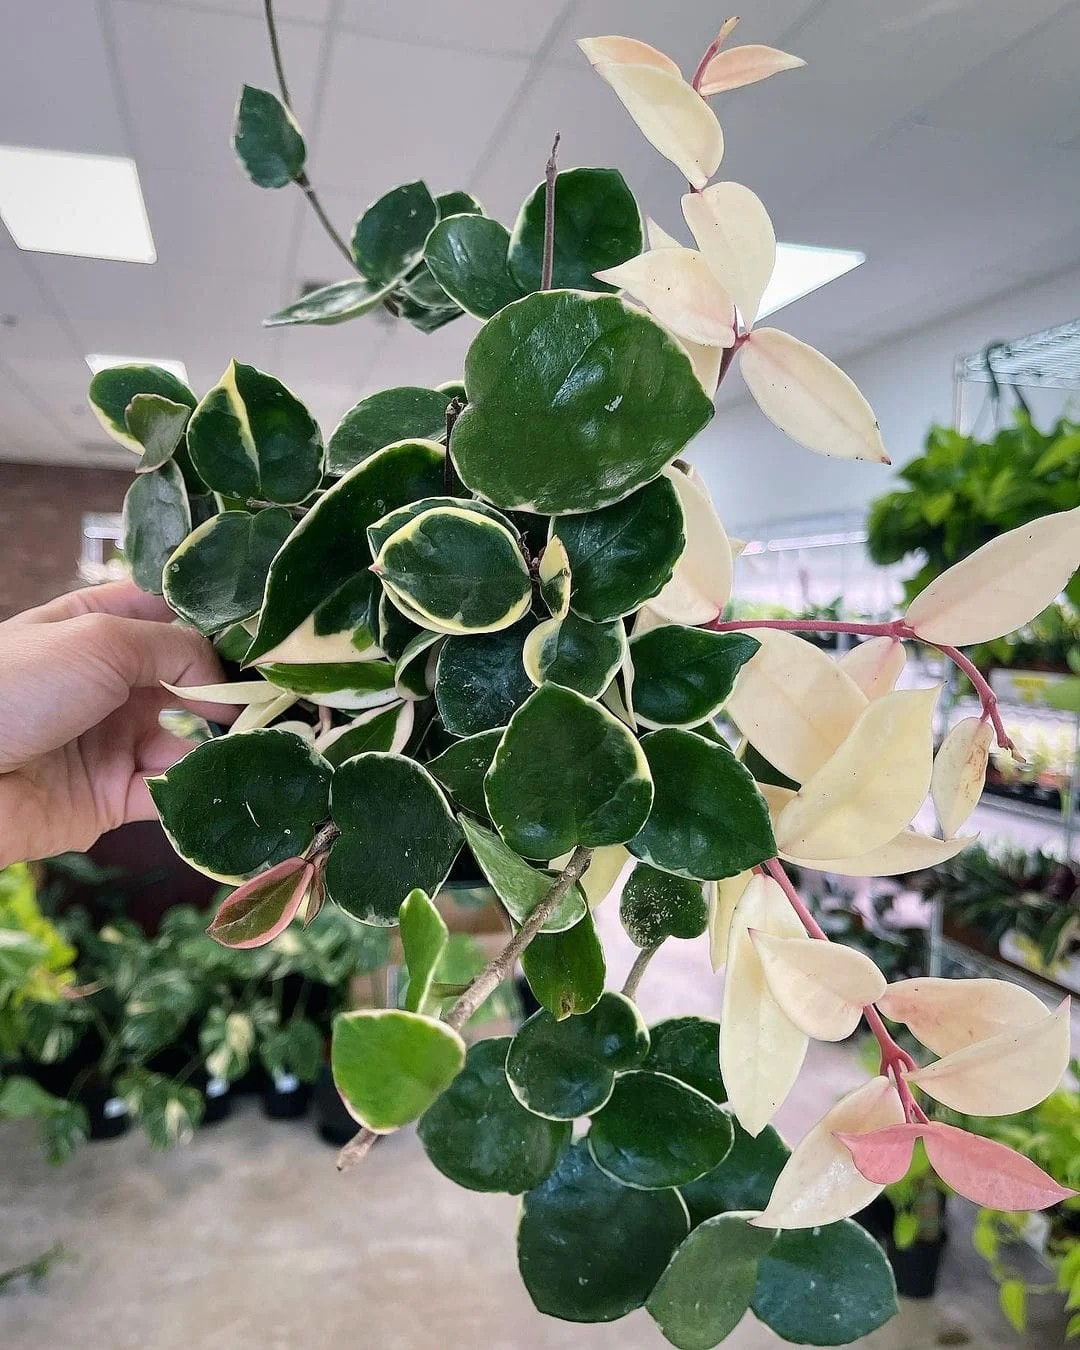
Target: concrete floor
column 248, row 1239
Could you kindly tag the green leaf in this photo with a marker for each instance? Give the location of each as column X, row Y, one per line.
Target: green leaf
column 688, row 1048
column 349, row 685
column 384, row 729
column 655, row 1131
column 239, row 804
column 744, row 1180
column 612, row 403
column 702, row 1296
column 397, row 835
column 157, row 518
column 462, row 767
column 393, row 631
column 553, row 574
column 307, row 576
column 481, row 681
column 566, row 970
column 456, row 570
column 457, row 204
column 217, row 575
column 250, row 437
column 590, row 1250
column 157, row 423
column 420, row 285
column 1012, row 1296
column 467, row 254
column 566, row 773
column 267, row 139
column 519, row 886
column 575, row 653
column 825, row 1286
column 403, row 414
column 413, row 674
column 167, row 1111
column 424, row 936
column 480, row 1136
column 683, row 675
column 566, row 1068
column 708, row 820
column 336, row 303
column 425, row 319
column 295, row 1049
column 597, row 225
column 658, row 905
column 389, row 524
column 624, row 554
column 113, row 389
column 388, row 239
column 389, row 1066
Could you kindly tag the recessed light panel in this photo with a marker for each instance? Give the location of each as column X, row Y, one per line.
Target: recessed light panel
column 802, row 268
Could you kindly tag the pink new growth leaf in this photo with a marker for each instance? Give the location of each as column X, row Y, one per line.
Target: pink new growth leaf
column 987, row 1172
column 882, row 1156
column 256, row 912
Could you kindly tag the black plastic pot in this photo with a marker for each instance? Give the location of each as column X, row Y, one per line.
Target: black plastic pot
column 916, row 1267
column 334, row 1123
column 217, row 1096
column 286, row 1098
column 107, row 1113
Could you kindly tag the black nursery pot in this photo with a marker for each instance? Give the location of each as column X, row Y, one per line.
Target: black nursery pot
column 107, row 1113
column 916, row 1267
column 334, row 1123
column 286, row 1098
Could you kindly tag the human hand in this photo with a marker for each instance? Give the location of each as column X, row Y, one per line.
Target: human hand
column 80, row 693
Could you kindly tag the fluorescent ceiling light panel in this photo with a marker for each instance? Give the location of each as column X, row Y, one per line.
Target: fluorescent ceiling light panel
column 802, row 268
column 88, row 206
column 96, row 361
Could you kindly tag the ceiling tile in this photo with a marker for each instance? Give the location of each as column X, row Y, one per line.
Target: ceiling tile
column 299, row 11
column 509, row 26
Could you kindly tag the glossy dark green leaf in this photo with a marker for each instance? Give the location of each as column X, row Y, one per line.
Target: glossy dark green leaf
column 763, row 771
column 461, row 769
column 389, row 1065
column 336, row 303
column 467, row 254
column 458, row 204
column 519, row 886
column 708, row 820
column 157, row 518
column 481, row 681
column 414, row 672
column 216, row 576
column 393, row 631
column 397, row 835
column 420, row 285
column 825, row 1286
column 426, row 319
column 241, row 803
column 307, row 574
column 744, row 1180
column 657, row 905
column 381, row 531
column 348, row 685
column 382, row 729
column 267, row 140
column 575, row 653
column 688, row 1048
column 566, row 970
column 683, row 675
column 388, row 239
column 406, row 413
column 479, row 1135
column 423, row 940
column 250, row 437
column 553, row 574
column 157, row 423
column 113, row 389
column 565, row 1068
column 624, row 554
column 613, row 402
column 566, row 773
column 597, row 225
column 590, row 1250
column 704, row 1293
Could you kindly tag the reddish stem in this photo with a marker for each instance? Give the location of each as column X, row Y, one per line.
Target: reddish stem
column 710, row 51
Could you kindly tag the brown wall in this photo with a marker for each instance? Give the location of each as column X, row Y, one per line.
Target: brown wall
column 41, row 511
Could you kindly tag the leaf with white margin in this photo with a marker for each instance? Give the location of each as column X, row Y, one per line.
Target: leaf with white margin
column 607, row 871
column 672, row 117
column 872, row 786
column 875, row 665
column 1001, row 586
column 736, row 239
column 947, row 1015
column 761, row 1051
column 793, row 703
column 700, row 585
column 722, row 897
column 821, row 986
column 960, row 772
column 908, row 851
column 257, row 715
column 680, row 291
column 625, row 51
column 1012, row 1071
column 242, row 692
column 820, row 1182
column 739, row 66
column 809, row 398
column 554, row 577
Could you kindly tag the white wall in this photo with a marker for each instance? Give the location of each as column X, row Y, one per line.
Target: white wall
column 757, row 475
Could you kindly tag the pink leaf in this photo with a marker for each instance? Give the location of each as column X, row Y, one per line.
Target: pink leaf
column 987, row 1172
column 882, row 1156
column 256, row 912
column 740, row 66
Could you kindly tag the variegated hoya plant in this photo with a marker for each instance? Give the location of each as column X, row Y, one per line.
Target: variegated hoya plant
column 485, row 619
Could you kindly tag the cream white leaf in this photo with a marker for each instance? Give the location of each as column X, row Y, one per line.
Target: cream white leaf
column 820, row 1182
column 739, row 66
column 908, row 851
column 809, row 398
column 736, row 239
column 793, row 703
column 700, row 585
column 657, row 236
column 960, row 772
column 947, row 1015
column 871, row 787
column 722, row 898
column 257, row 715
column 1001, row 586
column 242, row 692
column 761, row 1050
column 875, row 665
column 821, row 986
column 680, row 291
column 625, row 51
